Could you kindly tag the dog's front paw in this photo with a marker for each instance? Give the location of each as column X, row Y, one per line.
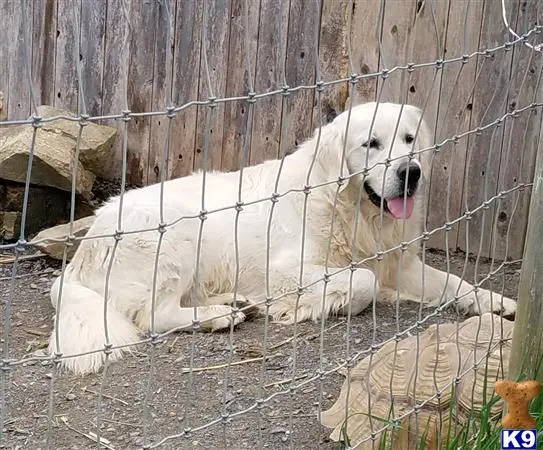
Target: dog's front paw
column 222, row 323
column 224, row 318
column 485, row 301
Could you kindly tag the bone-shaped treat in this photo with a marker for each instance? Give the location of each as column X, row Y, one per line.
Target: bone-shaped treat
column 518, row 396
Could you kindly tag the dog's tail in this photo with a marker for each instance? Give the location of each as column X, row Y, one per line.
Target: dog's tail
column 80, row 328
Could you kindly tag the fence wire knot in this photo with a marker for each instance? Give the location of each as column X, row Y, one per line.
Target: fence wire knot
column 83, row 120
column 251, row 97
column 5, row 364
column 212, row 102
column 37, row 121
column 126, row 115
column 196, row 324
column 162, row 227
column 108, row 348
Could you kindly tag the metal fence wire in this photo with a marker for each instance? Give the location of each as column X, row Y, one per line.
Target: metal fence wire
column 264, row 384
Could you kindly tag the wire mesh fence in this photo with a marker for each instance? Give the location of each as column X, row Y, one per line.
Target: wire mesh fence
column 314, row 234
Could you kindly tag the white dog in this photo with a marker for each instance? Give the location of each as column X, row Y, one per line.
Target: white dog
column 390, row 212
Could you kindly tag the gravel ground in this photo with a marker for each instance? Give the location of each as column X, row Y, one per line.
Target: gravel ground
column 148, row 397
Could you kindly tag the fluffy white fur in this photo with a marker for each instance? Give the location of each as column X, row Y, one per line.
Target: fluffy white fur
column 80, row 326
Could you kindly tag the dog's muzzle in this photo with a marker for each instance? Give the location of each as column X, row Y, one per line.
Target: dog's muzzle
column 408, row 173
column 401, row 205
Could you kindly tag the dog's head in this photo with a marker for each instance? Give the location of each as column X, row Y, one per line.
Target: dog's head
column 384, row 139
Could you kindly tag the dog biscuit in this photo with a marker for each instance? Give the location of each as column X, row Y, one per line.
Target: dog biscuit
column 518, row 396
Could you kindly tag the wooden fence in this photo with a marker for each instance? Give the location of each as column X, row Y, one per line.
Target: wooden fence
column 151, row 54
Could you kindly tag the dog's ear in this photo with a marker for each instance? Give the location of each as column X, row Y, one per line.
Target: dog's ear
column 330, row 152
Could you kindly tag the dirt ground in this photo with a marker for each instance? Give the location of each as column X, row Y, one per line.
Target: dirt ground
column 147, row 396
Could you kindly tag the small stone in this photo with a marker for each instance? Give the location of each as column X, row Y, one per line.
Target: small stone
column 70, row 396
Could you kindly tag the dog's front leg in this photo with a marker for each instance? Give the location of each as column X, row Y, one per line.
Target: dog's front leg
column 341, row 295
column 423, row 283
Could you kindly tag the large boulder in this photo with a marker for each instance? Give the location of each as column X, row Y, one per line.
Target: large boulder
column 54, row 150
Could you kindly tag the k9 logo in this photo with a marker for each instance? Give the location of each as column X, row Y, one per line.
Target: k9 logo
column 522, row 439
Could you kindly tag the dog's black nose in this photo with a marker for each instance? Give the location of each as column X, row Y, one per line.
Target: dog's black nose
column 411, row 172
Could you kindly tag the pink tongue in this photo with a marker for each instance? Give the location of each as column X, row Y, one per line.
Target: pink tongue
column 396, row 207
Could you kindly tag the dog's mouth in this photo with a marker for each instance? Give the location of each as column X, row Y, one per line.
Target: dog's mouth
column 400, row 207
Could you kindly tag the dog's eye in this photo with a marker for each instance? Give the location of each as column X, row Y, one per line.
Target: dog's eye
column 372, row 143
column 409, row 138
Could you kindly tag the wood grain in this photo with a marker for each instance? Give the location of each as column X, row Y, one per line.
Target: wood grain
column 91, row 51
column 185, row 86
column 453, row 118
column 521, row 134
column 115, row 78
column 303, row 23
column 19, row 84
column 66, row 84
column 272, row 41
column 6, row 49
column 162, row 89
column 240, row 78
column 216, row 33
column 140, row 86
column 484, row 149
column 43, row 50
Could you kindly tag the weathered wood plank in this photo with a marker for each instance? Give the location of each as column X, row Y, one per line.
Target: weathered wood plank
column 303, row 23
column 186, row 69
column 366, row 24
column 162, row 88
column 115, row 76
column 333, row 59
column 484, row 149
column 93, row 29
column 453, row 118
column 19, row 86
column 396, row 41
column 521, row 136
column 240, row 78
column 66, row 85
column 427, row 44
column 269, row 77
column 140, row 87
column 6, row 49
column 43, row 50
column 216, row 33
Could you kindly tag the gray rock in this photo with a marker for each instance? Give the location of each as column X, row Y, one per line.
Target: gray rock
column 53, row 152
column 55, row 249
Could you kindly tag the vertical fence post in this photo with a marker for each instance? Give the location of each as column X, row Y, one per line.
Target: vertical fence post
column 527, row 352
